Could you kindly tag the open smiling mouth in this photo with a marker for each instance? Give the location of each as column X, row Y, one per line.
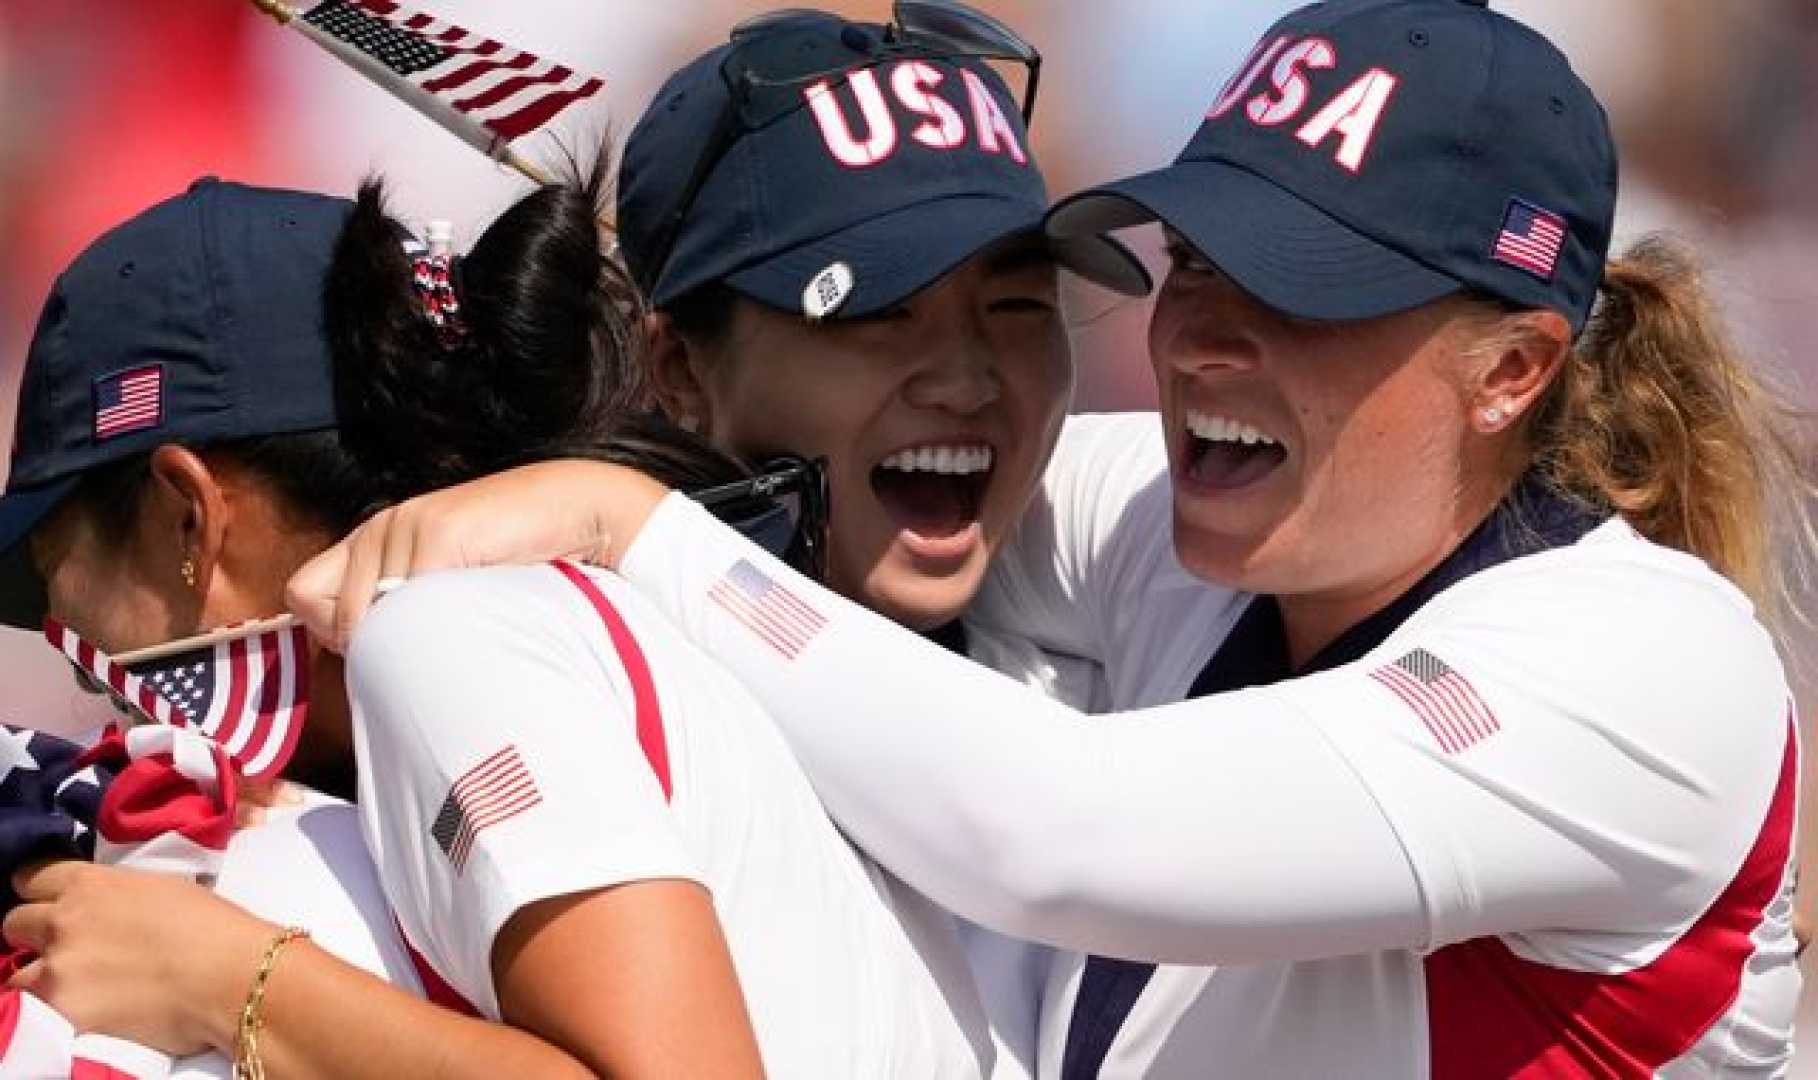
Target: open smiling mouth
column 934, row 491
column 1226, row 454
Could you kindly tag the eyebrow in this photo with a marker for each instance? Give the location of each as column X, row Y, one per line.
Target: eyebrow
column 1022, row 253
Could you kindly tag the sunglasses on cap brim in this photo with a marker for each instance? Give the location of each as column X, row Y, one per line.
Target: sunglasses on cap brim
column 761, row 83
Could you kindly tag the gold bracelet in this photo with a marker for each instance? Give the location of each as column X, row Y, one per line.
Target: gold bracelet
column 247, row 1063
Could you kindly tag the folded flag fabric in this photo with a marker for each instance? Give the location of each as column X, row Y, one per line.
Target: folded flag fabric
column 155, row 798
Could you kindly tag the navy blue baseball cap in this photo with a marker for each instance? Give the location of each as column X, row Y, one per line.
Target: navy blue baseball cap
column 1371, row 156
column 198, row 321
column 833, row 168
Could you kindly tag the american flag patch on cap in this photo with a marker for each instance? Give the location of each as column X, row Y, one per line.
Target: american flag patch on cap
column 783, row 619
column 1531, row 238
column 129, row 401
column 495, row 790
column 1446, row 702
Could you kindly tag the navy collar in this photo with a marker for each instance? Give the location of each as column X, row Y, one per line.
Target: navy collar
column 1533, row 518
column 951, row 636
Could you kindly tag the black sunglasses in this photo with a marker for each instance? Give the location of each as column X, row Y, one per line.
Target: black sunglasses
column 783, row 508
column 760, row 76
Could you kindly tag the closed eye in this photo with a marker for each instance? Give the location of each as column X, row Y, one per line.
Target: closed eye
column 1182, row 258
column 1022, row 305
column 886, row 315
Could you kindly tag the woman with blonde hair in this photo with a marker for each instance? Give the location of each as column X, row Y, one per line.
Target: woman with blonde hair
column 1491, row 771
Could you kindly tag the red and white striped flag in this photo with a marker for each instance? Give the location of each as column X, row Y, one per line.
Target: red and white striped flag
column 248, row 693
column 482, row 90
column 129, row 691
column 785, row 621
column 496, row 790
column 1448, row 705
column 166, row 804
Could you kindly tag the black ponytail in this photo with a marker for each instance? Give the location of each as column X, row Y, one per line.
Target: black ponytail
column 548, row 364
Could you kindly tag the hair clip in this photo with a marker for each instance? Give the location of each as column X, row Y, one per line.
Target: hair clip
column 433, row 273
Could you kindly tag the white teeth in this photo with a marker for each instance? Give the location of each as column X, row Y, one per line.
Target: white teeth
column 948, row 460
column 1223, row 429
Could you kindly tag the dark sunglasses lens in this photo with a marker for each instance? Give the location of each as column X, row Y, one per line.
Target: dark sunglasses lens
column 771, row 20
column 22, row 595
column 961, row 29
column 767, row 77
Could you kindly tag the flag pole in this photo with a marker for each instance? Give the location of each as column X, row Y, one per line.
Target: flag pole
column 283, row 14
column 200, row 641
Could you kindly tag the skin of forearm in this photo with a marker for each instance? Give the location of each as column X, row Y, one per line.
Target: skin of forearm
column 328, row 1019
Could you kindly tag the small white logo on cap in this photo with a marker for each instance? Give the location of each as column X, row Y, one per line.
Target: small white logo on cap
column 827, row 290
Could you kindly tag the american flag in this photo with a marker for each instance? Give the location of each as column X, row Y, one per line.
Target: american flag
column 784, row 620
column 155, row 798
column 1446, row 702
column 481, row 89
column 249, row 694
column 1531, row 238
column 493, row 791
column 49, row 798
column 128, row 690
column 129, row 401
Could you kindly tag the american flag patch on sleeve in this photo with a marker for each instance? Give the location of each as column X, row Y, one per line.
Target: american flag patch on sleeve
column 782, row 619
column 1445, row 701
column 495, row 790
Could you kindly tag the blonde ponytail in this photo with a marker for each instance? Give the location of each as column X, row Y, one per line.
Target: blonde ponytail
column 1657, row 416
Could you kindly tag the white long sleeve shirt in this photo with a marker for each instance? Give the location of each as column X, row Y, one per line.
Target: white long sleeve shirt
column 1544, row 824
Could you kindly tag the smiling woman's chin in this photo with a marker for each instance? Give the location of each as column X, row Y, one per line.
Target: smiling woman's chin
column 923, row 594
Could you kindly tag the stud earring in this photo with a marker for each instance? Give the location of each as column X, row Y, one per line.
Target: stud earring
column 188, row 570
column 1492, row 415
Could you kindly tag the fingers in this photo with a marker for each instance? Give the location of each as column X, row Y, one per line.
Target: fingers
column 29, row 978
column 47, row 880
column 313, row 589
column 28, row 926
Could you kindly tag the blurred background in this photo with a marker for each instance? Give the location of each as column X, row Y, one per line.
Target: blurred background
column 111, row 105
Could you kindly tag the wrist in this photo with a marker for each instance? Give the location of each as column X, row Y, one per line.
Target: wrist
column 225, row 976
column 622, row 501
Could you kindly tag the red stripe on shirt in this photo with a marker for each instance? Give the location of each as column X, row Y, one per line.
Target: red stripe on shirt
column 1492, row 1013
column 643, row 687
column 435, row 987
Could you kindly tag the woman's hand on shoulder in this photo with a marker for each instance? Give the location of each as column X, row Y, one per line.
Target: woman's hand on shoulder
column 152, row 958
column 589, row 511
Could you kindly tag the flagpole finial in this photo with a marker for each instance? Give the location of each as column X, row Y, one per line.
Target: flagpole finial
column 277, row 9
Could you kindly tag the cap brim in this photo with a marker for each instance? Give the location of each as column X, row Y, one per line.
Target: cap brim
column 895, row 255
column 1280, row 249
column 22, row 598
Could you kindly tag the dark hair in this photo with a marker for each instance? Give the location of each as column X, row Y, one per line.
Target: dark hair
column 548, row 368
column 703, row 315
column 318, row 482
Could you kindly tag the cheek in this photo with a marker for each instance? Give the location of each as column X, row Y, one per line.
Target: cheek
column 1037, row 385
column 1038, row 373
column 813, row 405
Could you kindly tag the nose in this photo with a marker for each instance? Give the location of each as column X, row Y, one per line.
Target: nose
column 1203, row 329
column 959, row 375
